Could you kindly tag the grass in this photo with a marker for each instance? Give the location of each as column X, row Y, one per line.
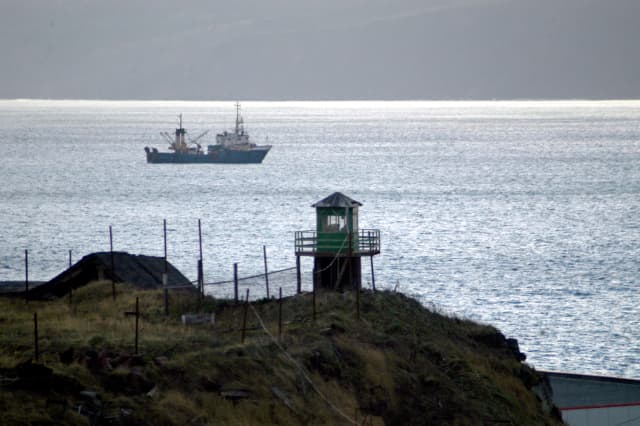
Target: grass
column 400, row 363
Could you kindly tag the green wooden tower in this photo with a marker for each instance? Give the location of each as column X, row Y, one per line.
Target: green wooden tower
column 337, row 244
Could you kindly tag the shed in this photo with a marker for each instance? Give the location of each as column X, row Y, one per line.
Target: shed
column 141, row 271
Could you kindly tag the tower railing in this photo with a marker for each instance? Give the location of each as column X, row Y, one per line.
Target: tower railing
column 365, row 242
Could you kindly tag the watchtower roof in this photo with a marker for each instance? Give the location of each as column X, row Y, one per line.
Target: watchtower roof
column 337, row 199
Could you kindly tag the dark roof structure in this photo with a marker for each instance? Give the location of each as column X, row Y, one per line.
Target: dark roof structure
column 144, row 272
column 337, row 199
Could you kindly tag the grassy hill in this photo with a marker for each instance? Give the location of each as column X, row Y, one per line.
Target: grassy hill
column 400, row 363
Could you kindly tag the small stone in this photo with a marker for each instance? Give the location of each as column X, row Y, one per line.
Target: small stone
column 153, row 392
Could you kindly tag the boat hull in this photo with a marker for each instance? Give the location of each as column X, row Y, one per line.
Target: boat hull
column 225, row 156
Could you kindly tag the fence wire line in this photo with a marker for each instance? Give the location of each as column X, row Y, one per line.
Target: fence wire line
column 243, row 281
column 188, row 284
column 286, row 280
column 300, row 368
column 250, row 276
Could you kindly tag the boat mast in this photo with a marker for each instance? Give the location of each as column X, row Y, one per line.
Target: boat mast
column 239, row 128
column 179, row 135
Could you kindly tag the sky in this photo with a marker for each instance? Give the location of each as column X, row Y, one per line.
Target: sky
column 320, row 49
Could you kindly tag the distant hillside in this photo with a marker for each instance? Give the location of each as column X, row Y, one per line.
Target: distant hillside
column 398, row 364
column 283, row 49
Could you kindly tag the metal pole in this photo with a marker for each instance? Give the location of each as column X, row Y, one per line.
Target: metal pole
column 26, row 275
column 244, row 318
column 266, row 271
column 70, row 259
column 235, row 282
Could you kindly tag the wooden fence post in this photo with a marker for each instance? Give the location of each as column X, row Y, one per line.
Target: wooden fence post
column 200, row 280
column 26, row 275
column 200, row 266
column 244, row 318
column 235, row 282
column 266, row 271
column 135, row 313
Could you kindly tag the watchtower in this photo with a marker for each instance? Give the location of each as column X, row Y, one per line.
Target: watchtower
column 337, row 244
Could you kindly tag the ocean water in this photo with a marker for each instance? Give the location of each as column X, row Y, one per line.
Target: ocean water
column 524, row 215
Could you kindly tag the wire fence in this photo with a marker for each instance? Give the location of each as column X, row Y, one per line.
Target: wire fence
column 257, row 284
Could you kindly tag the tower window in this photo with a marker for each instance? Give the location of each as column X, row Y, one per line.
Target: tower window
column 334, row 223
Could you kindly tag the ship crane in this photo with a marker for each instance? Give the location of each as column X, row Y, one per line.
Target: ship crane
column 197, row 138
column 167, row 136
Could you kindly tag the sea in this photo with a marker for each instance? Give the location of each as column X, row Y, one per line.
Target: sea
column 523, row 214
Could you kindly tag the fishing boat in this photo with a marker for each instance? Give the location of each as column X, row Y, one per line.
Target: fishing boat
column 231, row 147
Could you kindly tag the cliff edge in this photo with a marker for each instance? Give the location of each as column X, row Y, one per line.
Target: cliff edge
column 392, row 361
